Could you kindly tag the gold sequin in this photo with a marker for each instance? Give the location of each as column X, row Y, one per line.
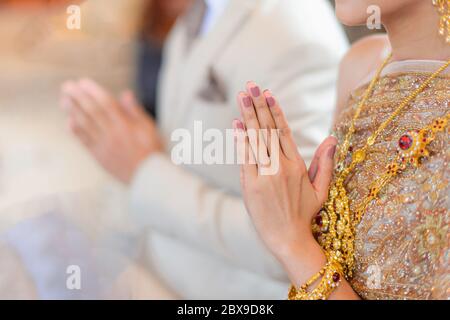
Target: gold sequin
column 402, row 239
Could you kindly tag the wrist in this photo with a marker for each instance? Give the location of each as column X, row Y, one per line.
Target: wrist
column 302, row 259
column 301, row 248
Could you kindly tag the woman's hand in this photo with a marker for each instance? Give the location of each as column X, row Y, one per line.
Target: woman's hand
column 283, row 202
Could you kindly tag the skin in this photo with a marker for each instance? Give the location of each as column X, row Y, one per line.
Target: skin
column 281, row 206
column 173, row 8
column 356, row 66
column 411, row 25
column 117, row 132
column 37, row 4
column 120, row 136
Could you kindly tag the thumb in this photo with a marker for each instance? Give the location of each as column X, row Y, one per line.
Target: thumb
column 130, row 104
column 324, row 173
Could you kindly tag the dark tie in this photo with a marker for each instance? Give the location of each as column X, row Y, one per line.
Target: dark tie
column 150, row 56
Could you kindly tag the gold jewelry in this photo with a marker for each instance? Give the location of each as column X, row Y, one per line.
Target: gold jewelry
column 336, row 224
column 412, row 148
column 344, row 148
column 338, row 233
column 443, row 7
column 331, row 276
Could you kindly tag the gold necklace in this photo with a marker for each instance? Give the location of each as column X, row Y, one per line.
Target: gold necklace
column 336, row 223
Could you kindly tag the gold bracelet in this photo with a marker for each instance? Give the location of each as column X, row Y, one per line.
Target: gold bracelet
column 331, row 276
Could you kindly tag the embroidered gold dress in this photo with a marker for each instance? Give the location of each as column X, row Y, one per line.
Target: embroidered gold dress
column 402, row 242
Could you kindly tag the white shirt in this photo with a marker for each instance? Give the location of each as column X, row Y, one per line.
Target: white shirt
column 214, row 9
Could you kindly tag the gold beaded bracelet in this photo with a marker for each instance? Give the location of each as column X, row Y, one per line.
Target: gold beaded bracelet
column 331, row 276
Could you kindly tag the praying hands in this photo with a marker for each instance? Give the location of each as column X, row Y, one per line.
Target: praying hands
column 283, row 204
column 118, row 133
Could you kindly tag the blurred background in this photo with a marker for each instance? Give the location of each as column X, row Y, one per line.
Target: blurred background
column 48, row 182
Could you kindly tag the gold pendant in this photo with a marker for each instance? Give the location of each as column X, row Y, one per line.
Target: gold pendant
column 359, row 156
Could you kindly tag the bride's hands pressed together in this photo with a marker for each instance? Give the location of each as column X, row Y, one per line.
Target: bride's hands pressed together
column 282, row 202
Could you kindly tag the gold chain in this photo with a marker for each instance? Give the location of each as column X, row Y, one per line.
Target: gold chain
column 416, row 149
column 359, row 155
column 340, row 223
column 410, row 154
column 337, row 223
column 343, row 150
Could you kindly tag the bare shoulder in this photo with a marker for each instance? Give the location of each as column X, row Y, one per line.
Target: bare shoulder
column 361, row 60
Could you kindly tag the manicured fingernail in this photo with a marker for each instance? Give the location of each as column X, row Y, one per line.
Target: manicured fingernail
column 271, row 101
column 255, row 91
column 331, row 152
column 239, row 124
column 247, row 101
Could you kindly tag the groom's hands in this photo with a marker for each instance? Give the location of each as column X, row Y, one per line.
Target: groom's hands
column 118, row 133
column 37, row 4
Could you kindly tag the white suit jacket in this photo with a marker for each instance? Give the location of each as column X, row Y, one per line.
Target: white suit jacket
column 201, row 242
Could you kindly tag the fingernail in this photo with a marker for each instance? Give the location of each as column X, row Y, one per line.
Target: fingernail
column 271, row 101
column 331, row 152
column 239, row 124
column 255, row 91
column 247, row 101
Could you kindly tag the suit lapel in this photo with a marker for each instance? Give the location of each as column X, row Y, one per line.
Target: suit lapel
column 205, row 50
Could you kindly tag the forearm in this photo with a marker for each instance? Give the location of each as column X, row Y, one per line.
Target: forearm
column 303, row 260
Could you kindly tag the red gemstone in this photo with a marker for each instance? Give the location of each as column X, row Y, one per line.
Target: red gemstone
column 319, row 220
column 336, row 277
column 405, row 142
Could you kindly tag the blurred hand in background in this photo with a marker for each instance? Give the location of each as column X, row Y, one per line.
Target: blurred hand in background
column 37, row 4
column 118, row 133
